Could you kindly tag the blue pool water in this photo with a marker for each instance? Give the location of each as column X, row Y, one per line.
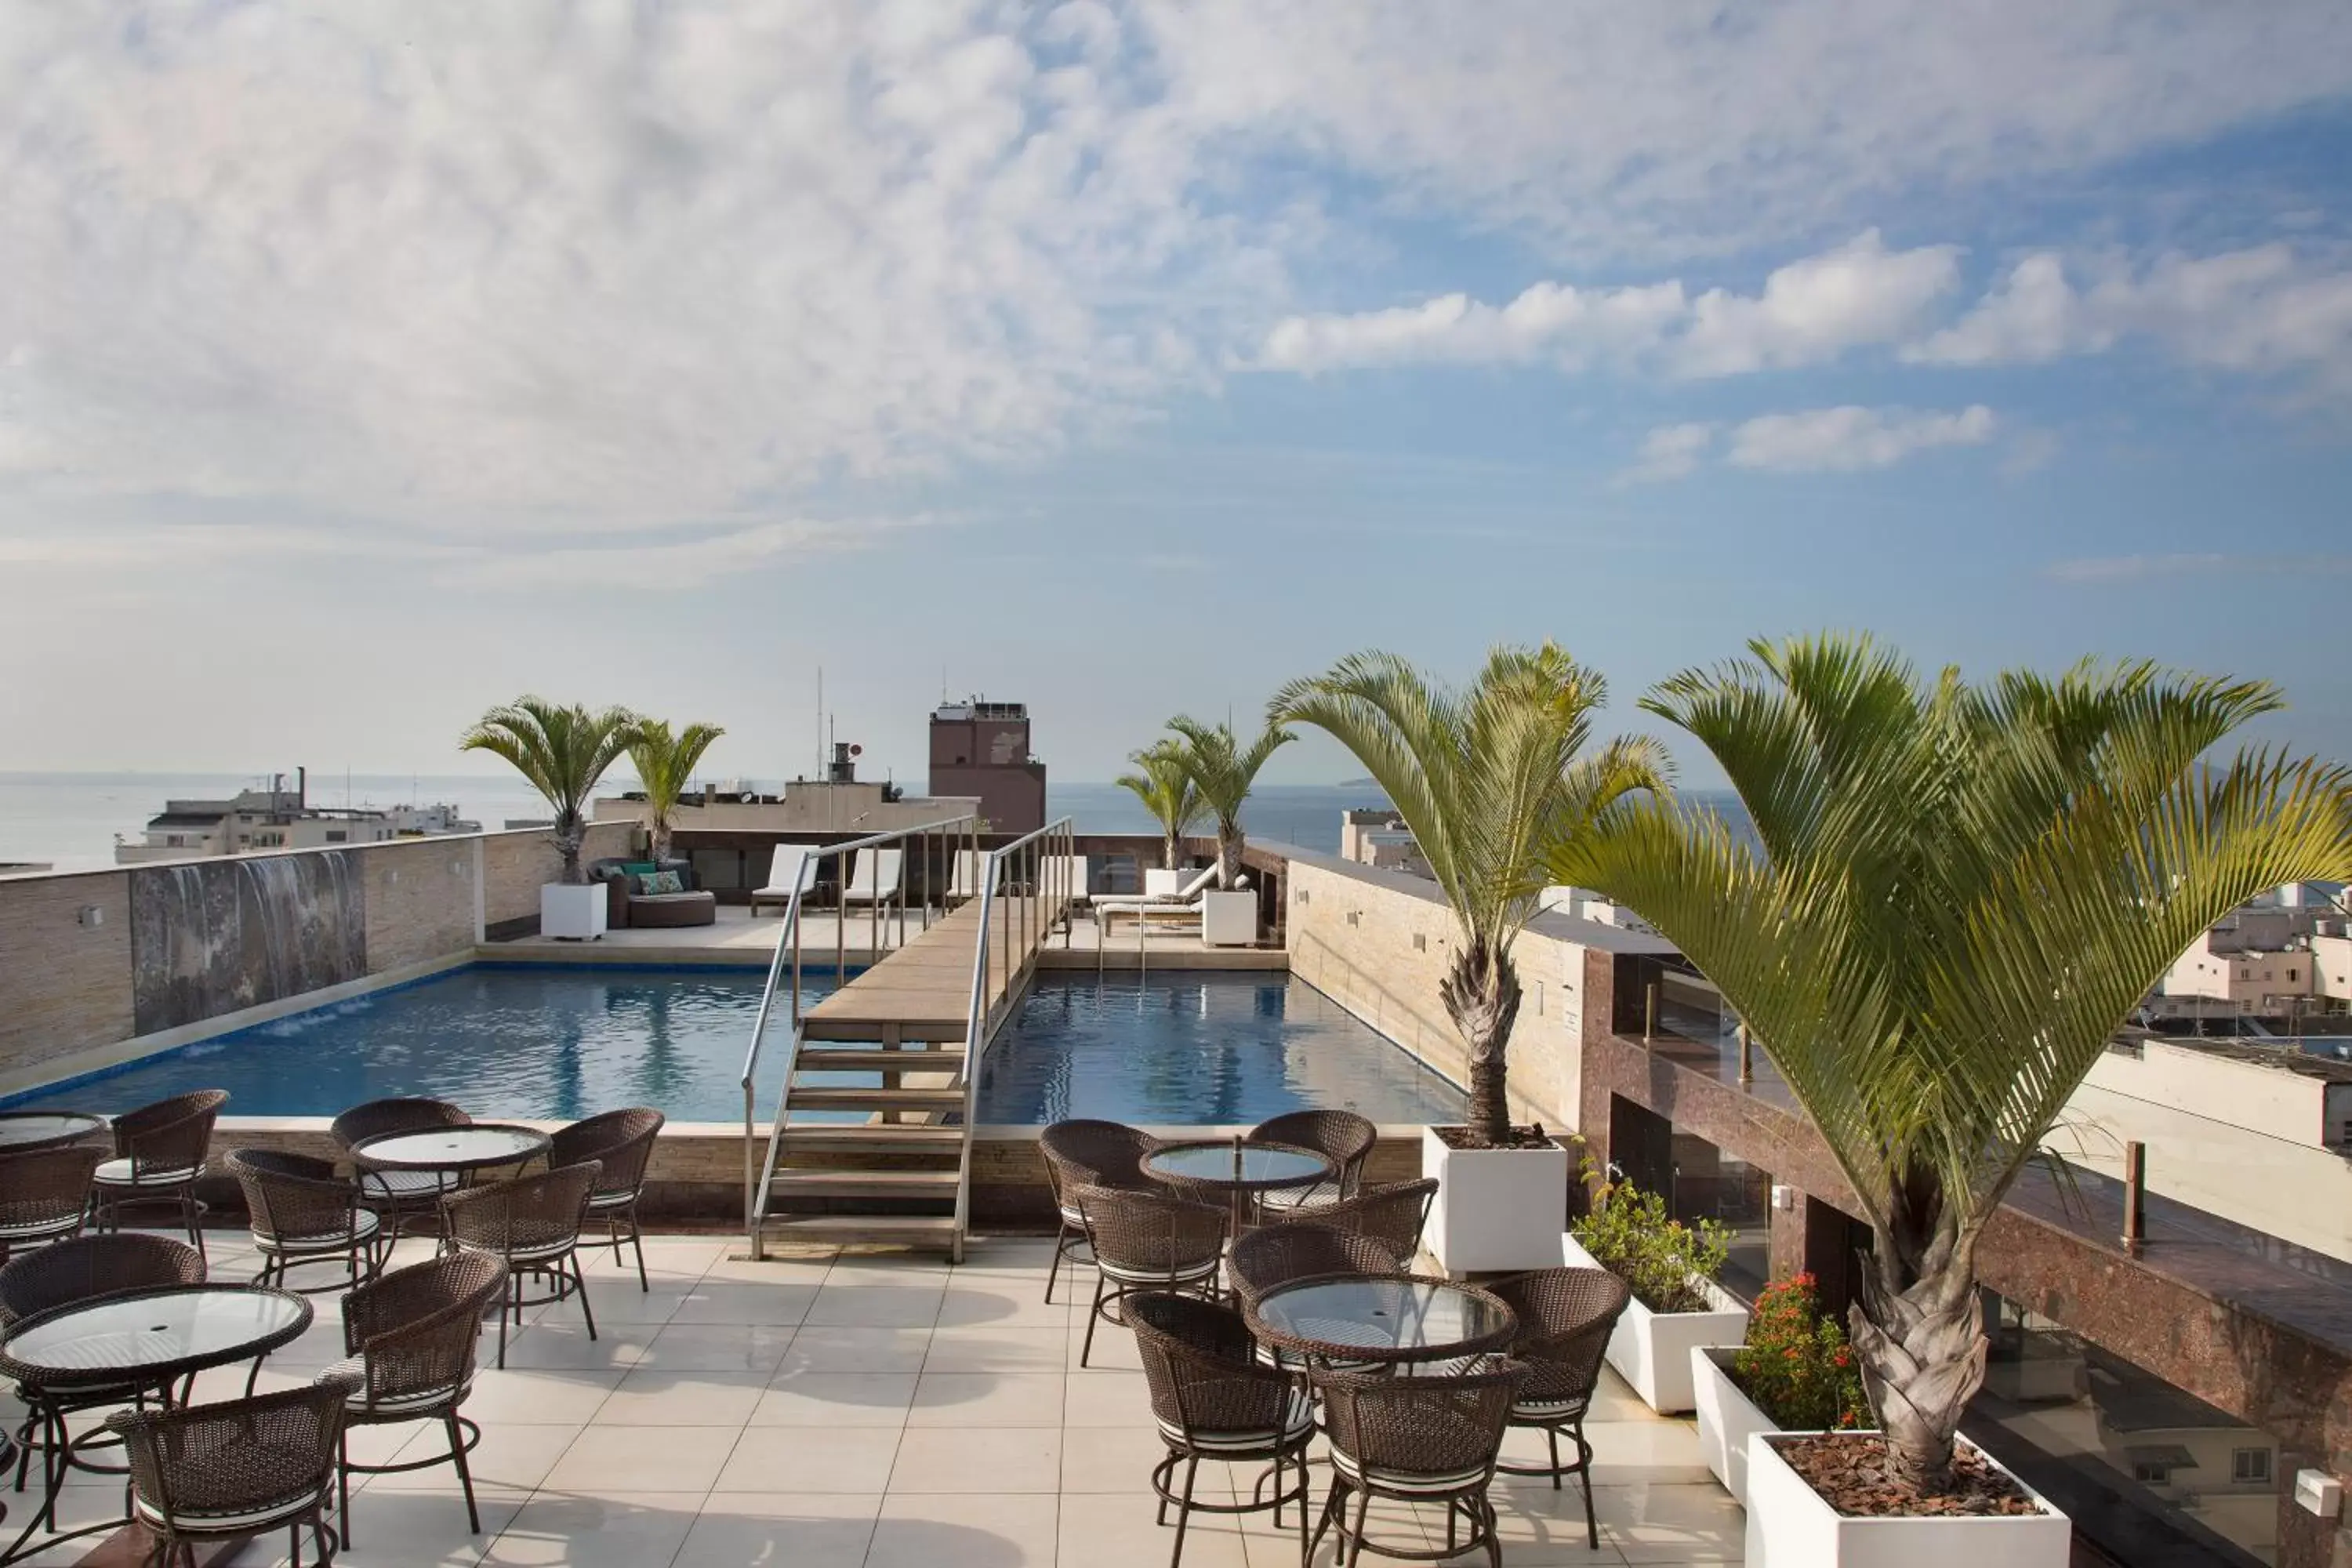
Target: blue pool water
column 556, row 1043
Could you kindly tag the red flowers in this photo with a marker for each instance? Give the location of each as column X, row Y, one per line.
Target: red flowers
column 1797, row 1365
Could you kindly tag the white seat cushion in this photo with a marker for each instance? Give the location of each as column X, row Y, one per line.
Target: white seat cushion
column 1299, row 1421
column 364, row 1228
column 64, row 1225
column 250, row 1522
column 599, row 1201
column 407, row 1184
column 1395, row 1481
column 354, row 1370
column 1190, row 1274
column 117, row 1174
column 1548, row 1409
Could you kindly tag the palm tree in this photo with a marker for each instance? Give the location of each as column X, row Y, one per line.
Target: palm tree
column 563, row 752
column 1167, row 791
column 1223, row 772
column 1961, row 893
column 1485, row 779
column 665, row 763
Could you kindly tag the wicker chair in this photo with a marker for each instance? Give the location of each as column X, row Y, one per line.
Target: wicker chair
column 1420, row 1439
column 533, row 1226
column 1342, row 1136
column 1565, row 1317
column 76, row 1270
column 1084, row 1154
column 1213, row 1402
column 1394, row 1214
column 399, row 1197
column 623, row 1142
column 1147, row 1241
column 411, row 1337
column 302, row 1212
column 44, row 1195
column 1273, row 1255
column 207, row 1473
column 159, row 1153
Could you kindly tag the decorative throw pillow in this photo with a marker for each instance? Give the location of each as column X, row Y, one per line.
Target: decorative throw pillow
column 639, row 867
column 661, row 882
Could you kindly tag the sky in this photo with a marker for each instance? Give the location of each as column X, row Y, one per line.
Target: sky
column 363, row 365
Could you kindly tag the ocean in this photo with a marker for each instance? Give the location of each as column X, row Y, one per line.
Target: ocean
column 72, row 820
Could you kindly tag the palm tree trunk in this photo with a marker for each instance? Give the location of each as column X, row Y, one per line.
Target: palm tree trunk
column 569, row 831
column 660, row 837
column 1922, row 1349
column 1229, row 855
column 1172, row 849
column 1481, row 992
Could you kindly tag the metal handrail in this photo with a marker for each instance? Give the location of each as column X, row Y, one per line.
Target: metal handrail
column 755, row 1179
column 1038, row 927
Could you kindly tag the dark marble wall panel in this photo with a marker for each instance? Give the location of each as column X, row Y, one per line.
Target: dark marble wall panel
column 209, row 937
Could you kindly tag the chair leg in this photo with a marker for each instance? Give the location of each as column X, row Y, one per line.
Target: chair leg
column 637, row 1242
column 1356, row 1541
column 1061, row 1240
column 343, row 1489
column 586, row 1310
column 464, row 1472
column 1094, row 1316
column 1585, row 1479
column 1552, row 1434
column 188, row 1211
column 1184, row 1507
column 504, row 1300
column 1334, row 1507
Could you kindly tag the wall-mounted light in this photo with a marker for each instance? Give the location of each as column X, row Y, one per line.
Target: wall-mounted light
column 2316, row 1491
column 1302, row 895
column 90, row 915
column 1419, row 943
column 1352, row 914
column 1784, row 1198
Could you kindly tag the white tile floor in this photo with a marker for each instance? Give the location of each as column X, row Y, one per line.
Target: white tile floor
column 875, row 1411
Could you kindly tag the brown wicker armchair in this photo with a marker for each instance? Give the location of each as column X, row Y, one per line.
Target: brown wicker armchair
column 623, row 1142
column 159, row 1153
column 1273, row 1255
column 533, row 1226
column 1565, row 1318
column 301, row 1212
column 76, row 1270
column 1342, row 1136
column 1394, row 1214
column 1213, row 1402
column 1147, row 1241
column 1421, row 1440
column 1088, row 1154
column 45, row 1195
column 410, row 1339
column 207, row 1473
column 399, row 1197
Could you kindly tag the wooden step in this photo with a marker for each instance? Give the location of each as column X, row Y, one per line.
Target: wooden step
column 840, row 1060
column 876, row 1137
column 808, row 1097
column 829, row 1183
column 913, row 1230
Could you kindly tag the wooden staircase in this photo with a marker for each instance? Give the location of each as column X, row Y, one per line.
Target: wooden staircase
column 869, row 1142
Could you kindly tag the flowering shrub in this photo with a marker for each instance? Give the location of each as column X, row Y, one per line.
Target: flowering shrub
column 1629, row 1235
column 1796, row 1364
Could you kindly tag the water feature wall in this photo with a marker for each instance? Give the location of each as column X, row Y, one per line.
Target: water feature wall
column 209, row 937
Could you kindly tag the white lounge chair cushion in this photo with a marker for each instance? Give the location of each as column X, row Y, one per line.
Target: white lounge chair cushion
column 793, row 863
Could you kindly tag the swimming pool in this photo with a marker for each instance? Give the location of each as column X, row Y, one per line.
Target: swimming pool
column 559, row 1043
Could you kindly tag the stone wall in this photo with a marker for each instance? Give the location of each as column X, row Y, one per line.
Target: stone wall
column 72, row 979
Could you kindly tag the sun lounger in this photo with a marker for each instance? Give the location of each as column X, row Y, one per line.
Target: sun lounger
column 874, row 877
column 794, row 867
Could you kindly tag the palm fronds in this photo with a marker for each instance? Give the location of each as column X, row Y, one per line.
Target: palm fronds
column 664, row 760
column 563, row 752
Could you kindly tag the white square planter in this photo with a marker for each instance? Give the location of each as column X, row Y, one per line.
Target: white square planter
column 572, row 914
column 1791, row 1526
column 1228, row 919
column 1495, row 1208
column 1652, row 1351
column 1726, row 1418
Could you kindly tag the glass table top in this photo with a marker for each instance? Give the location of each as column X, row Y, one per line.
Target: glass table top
column 154, row 1330
column 452, row 1148
column 1399, row 1317
column 1228, row 1164
column 35, row 1128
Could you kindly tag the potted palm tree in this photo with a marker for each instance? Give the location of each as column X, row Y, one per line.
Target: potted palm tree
column 664, row 760
column 1164, row 784
column 1485, row 779
column 563, row 751
column 1222, row 770
column 1958, row 895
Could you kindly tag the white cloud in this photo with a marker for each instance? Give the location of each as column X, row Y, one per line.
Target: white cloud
column 2264, row 311
column 1669, row 452
column 1808, row 313
column 1852, row 437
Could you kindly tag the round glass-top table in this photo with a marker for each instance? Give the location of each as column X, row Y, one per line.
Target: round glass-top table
column 481, row 1147
column 1383, row 1318
column 125, row 1343
column 23, row 1132
column 1236, row 1169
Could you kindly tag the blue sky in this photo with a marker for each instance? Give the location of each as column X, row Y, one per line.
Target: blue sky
column 361, row 366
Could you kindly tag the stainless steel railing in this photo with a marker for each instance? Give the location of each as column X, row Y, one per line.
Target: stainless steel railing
column 961, row 837
column 1042, row 863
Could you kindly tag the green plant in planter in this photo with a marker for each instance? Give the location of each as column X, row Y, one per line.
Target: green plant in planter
column 1797, row 1366
column 1661, row 1259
